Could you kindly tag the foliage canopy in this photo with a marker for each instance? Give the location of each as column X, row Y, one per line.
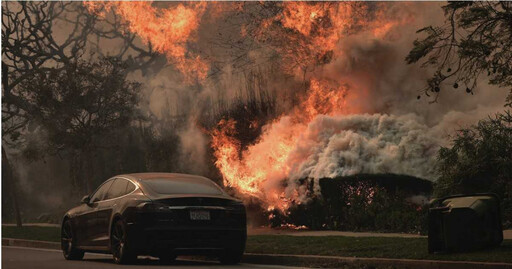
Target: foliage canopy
column 480, row 160
column 475, row 40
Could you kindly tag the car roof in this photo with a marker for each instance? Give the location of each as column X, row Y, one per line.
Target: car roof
column 143, row 179
column 159, row 175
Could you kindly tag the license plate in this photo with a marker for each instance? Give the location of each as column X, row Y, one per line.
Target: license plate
column 200, row 215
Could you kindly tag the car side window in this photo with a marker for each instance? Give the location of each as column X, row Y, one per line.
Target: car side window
column 101, row 192
column 129, row 188
column 118, row 188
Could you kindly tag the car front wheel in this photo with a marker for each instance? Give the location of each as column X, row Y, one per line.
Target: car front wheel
column 120, row 246
column 68, row 242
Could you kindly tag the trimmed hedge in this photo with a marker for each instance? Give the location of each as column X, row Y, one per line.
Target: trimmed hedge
column 378, row 202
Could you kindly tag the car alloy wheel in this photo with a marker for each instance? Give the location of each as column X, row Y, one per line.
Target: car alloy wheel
column 68, row 243
column 119, row 246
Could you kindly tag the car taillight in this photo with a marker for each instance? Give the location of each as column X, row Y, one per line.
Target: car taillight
column 153, row 207
column 236, row 206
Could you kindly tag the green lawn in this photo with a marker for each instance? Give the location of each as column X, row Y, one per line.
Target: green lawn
column 410, row 248
column 382, row 247
column 32, row 233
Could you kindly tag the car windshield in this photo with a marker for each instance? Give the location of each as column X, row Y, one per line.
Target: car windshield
column 182, row 186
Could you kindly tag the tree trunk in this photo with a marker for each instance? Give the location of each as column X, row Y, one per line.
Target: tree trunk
column 88, row 171
column 8, row 176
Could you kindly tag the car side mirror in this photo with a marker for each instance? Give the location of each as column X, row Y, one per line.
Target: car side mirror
column 85, row 200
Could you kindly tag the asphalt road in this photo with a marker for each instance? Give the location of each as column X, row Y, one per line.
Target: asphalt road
column 21, row 258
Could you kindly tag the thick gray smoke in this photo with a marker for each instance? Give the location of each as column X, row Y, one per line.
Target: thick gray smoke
column 345, row 145
column 340, row 145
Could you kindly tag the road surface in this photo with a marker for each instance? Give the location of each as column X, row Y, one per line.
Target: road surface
column 21, row 258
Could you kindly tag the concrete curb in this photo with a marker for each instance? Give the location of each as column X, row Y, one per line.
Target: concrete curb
column 314, row 260
column 339, row 262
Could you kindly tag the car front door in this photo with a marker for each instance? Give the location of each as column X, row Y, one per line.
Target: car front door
column 91, row 221
column 106, row 208
column 82, row 223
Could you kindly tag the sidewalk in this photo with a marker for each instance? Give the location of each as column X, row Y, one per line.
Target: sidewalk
column 507, row 234
column 270, row 231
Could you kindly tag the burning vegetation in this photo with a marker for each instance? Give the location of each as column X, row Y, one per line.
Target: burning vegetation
column 307, row 36
column 167, row 30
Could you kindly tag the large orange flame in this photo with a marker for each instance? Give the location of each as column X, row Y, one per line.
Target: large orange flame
column 255, row 171
column 168, row 30
column 307, row 34
column 312, row 32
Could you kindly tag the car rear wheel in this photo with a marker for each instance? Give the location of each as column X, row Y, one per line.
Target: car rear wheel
column 167, row 258
column 231, row 256
column 68, row 242
column 120, row 247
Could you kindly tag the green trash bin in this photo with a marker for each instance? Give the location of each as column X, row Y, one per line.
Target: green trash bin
column 464, row 222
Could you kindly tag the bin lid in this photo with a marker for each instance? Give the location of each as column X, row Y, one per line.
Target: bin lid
column 467, row 202
column 479, row 203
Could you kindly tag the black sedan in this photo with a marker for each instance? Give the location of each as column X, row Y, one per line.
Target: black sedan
column 156, row 214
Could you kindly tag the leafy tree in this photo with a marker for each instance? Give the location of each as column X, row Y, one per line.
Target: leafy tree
column 28, row 46
column 480, row 160
column 475, row 40
column 79, row 107
column 43, row 38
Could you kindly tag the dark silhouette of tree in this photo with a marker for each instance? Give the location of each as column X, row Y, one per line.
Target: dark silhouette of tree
column 79, row 107
column 29, row 46
column 41, row 39
column 34, row 42
column 475, row 40
column 9, row 184
column 479, row 160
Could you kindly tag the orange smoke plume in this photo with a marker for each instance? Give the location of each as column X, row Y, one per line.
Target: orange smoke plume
column 168, row 30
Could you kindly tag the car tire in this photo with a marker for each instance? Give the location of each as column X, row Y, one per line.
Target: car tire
column 119, row 245
column 68, row 242
column 231, row 257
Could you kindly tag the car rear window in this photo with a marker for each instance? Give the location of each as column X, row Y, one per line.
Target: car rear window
column 182, row 186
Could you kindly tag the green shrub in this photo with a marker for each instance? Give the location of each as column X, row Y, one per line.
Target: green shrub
column 479, row 160
column 363, row 203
